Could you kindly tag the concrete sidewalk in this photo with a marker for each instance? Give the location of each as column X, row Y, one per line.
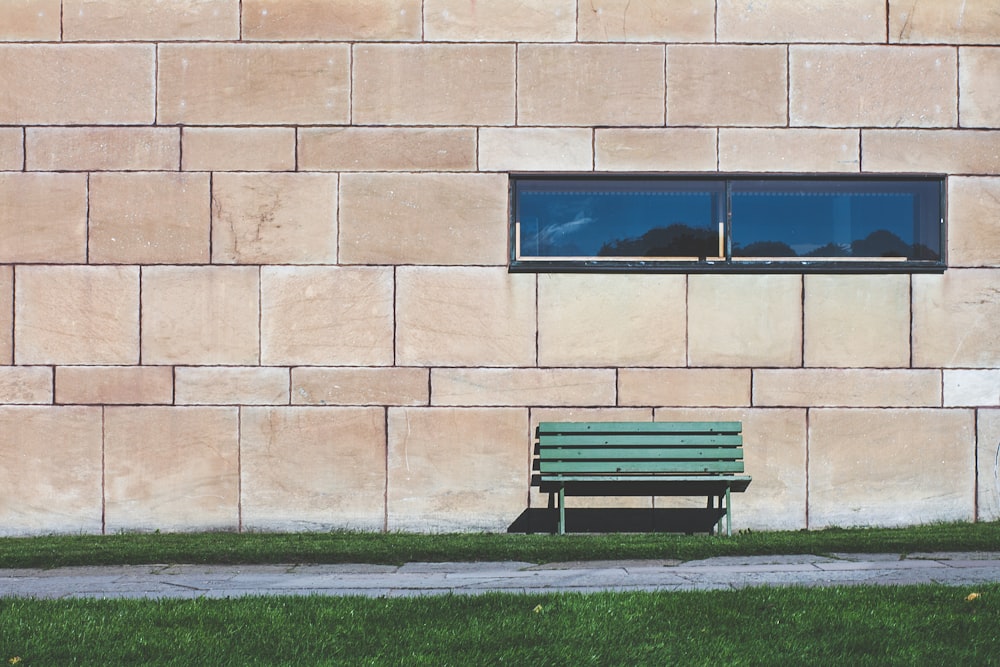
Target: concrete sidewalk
column 220, row 581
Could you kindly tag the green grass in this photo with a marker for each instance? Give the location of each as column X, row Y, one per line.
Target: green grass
column 397, row 548
column 916, row 625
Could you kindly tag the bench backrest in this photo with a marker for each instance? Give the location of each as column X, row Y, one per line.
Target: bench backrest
column 622, row 448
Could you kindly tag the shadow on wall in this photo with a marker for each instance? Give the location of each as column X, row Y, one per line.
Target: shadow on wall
column 618, row 520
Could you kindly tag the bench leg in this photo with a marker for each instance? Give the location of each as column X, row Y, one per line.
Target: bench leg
column 562, row 510
column 729, row 515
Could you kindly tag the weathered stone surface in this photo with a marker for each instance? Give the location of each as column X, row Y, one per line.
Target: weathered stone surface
column 200, row 315
column 847, row 387
column 77, row 84
column 170, row 468
column 313, row 468
column 6, row 314
column 972, row 388
column 726, row 85
column 932, row 151
column 30, row 21
column 954, row 319
column 789, row 150
column 457, row 469
column 988, row 458
column 25, row 385
column 878, row 86
column 150, row 20
column 43, row 217
column 745, row 320
column 11, row 148
column 642, row 149
column 784, row 21
column 979, row 82
column 250, row 385
column 890, row 467
column 966, row 22
column 974, row 222
column 239, row 149
column 684, row 387
column 326, row 316
column 76, row 315
column 500, row 21
column 50, row 470
column 274, row 218
column 431, row 84
column 360, row 386
column 149, row 218
column 875, row 334
column 387, row 149
column 535, row 149
column 646, row 21
column 641, row 320
column 423, row 219
column 774, row 453
column 590, row 84
column 467, row 316
column 128, row 385
column 331, row 20
column 102, row 148
column 253, row 84
column 523, row 386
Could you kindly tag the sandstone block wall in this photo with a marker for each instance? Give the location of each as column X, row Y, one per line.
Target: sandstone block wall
column 253, row 257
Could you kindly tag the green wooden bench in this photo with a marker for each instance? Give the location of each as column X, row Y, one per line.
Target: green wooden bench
column 642, row 459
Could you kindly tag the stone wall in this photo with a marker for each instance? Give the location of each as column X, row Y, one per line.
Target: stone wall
column 253, row 257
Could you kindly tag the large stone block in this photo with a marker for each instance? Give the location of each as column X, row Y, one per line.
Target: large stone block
column 102, row 148
column 171, row 469
column 108, row 385
column 972, row 388
column 31, row 21
column 684, row 387
column 846, row 387
column 360, row 386
column 25, row 385
column 891, row 467
column 6, row 315
column 252, row 385
column 745, row 320
column 643, row 149
column 387, row 149
column 611, row 320
column 457, row 469
column 646, row 21
column 238, row 149
column 149, row 218
column 784, row 21
column 423, row 219
column 274, row 218
column 974, row 221
column 979, row 82
column 150, row 20
column 590, row 84
column 535, row 149
column 931, row 151
column 468, row 316
column 873, row 86
column 789, row 150
column 43, row 217
column 857, row 320
column 500, row 21
column 50, row 470
column 727, row 85
column 77, row 84
column 76, row 315
column 200, row 315
column 253, row 84
column 327, row 316
column 954, row 319
column 523, row 386
column 430, row 84
column 11, row 149
column 331, row 20
column 313, row 468
column 966, row 22
column 988, row 465
column 774, row 454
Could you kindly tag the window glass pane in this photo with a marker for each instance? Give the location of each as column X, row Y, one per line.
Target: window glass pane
column 609, row 219
column 829, row 220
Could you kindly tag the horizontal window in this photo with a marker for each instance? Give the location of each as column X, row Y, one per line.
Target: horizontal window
column 662, row 223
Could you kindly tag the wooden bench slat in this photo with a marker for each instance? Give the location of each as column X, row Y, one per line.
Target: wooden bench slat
column 640, row 454
column 640, row 466
column 640, row 427
column 650, row 439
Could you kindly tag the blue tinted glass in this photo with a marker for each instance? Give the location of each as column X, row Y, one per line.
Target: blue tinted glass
column 836, row 219
column 615, row 219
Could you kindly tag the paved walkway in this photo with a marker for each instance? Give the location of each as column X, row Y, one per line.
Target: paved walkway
column 218, row 581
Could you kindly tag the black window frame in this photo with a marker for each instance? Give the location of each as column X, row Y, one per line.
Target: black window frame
column 727, row 263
